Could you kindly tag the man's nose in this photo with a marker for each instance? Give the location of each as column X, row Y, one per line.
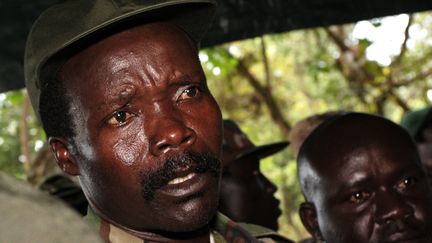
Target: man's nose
column 170, row 132
column 391, row 207
column 267, row 184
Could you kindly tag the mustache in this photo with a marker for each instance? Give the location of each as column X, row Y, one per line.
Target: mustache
column 407, row 226
column 199, row 162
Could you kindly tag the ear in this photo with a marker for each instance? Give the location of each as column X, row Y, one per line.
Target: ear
column 64, row 158
column 309, row 219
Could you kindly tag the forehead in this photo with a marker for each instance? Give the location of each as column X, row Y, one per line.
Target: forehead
column 348, row 145
column 373, row 161
column 149, row 50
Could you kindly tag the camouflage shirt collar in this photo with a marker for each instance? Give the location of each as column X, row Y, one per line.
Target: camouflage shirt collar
column 223, row 230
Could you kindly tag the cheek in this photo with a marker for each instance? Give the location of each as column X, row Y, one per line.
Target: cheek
column 422, row 209
column 131, row 146
column 348, row 227
column 211, row 126
column 82, row 138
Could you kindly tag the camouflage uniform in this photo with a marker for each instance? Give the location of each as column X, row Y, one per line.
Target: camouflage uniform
column 224, row 230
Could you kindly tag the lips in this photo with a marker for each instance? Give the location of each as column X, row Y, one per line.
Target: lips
column 187, row 186
column 408, row 237
column 179, row 180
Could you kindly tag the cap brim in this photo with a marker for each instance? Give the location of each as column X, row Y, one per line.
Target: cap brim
column 262, row 151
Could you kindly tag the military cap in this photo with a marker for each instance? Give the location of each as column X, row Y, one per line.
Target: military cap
column 64, row 28
column 237, row 146
column 415, row 121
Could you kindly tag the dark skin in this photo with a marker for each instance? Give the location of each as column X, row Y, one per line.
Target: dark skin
column 244, row 189
column 140, row 97
column 363, row 181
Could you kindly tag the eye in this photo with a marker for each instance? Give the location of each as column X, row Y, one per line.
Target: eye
column 359, row 197
column 189, row 93
column 120, row 118
column 406, row 182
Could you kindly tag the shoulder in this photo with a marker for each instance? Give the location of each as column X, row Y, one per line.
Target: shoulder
column 232, row 231
column 264, row 234
column 23, row 205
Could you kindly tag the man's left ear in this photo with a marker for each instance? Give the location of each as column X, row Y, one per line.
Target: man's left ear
column 309, row 219
column 64, row 158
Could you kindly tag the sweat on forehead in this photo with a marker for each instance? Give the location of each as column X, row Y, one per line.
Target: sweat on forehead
column 330, row 144
column 117, row 47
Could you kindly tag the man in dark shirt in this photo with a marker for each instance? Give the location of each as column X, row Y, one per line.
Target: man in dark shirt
column 363, row 181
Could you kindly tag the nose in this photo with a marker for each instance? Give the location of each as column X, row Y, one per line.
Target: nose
column 267, row 184
column 391, row 207
column 171, row 133
column 271, row 188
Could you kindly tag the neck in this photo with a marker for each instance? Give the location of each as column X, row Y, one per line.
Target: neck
column 200, row 236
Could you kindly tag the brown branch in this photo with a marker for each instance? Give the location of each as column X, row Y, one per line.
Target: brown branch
column 340, row 42
column 420, row 76
column 419, row 62
column 403, row 48
column 265, row 94
column 24, row 137
column 389, row 93
column 348, row 69
column 399, row 100
column 266, row 63
column 274, row 109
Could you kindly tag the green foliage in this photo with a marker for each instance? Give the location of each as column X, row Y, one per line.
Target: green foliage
column 11, row 115
column 9, row 126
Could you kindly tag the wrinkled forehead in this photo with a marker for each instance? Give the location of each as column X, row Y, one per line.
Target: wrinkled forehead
column 358, row 138
column 148, row 38
column 154, row 48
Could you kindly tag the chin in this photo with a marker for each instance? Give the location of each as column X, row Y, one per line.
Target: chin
column 194, row 215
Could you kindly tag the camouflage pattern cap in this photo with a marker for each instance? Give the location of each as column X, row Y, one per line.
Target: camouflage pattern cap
column 69, row 26
column 237, row 146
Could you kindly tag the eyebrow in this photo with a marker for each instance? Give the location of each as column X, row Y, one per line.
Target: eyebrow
column 187, row 78
column 123, row 95
column 357, row 179
column 180, row 81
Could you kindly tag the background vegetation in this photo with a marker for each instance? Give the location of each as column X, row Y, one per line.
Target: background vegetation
column 269, row 83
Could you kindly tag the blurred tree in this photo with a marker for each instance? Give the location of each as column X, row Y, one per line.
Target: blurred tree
column 267, row 84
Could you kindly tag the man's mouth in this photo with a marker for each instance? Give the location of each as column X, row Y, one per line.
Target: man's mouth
column 179, row 180
column 181, row 175
column 407, row 237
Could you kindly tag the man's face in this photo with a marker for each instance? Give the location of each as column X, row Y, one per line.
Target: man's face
column 375, row 193
column 246, row 195
column 148, row 130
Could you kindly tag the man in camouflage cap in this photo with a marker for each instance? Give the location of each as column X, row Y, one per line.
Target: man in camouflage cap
column 124, row 101
column 419, row 124
column 244, row 188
